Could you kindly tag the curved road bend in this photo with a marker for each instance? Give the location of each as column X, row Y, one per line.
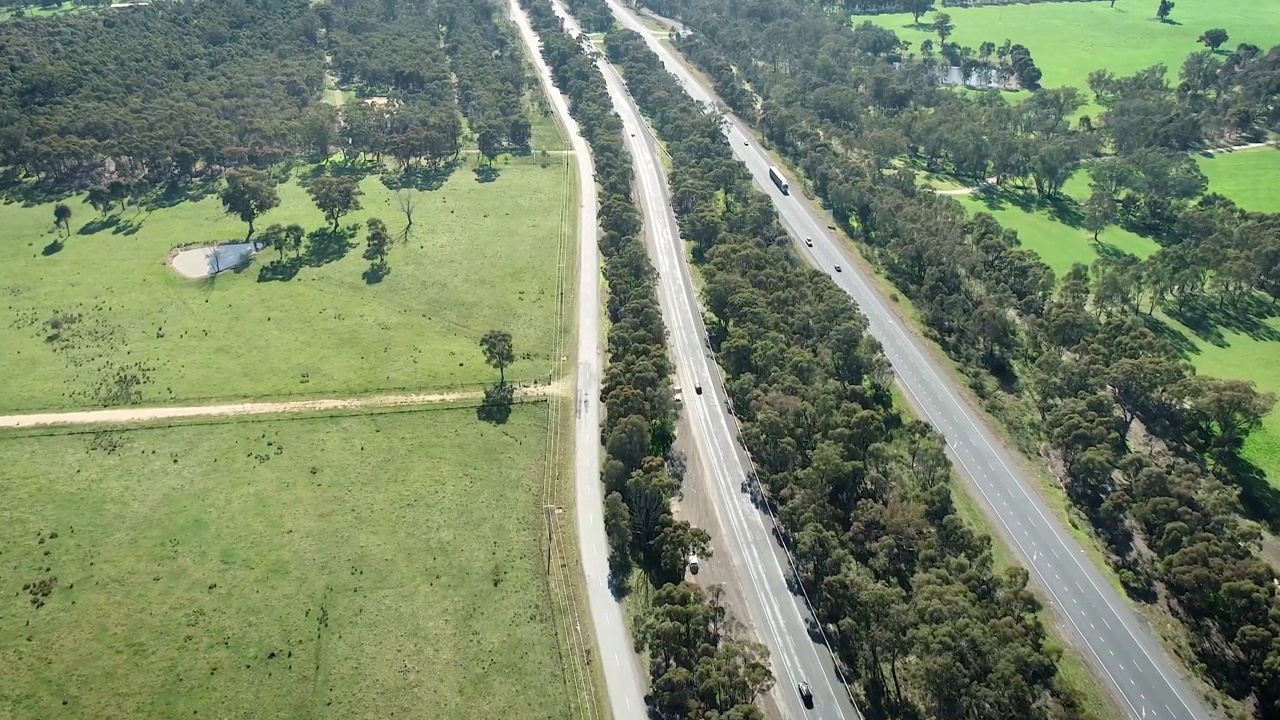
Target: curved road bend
column 613, row 642
column 761, row 565
column 1120, row 644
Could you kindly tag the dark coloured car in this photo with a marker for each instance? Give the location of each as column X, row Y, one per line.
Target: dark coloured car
column 806, row 694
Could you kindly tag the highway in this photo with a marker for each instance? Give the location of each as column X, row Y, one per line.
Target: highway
column 1098, row 619
column 755, row 557
column 613, row 640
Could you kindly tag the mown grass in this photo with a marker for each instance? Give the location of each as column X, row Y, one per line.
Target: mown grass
column 1250, row 177
column 482, row 255
column 367, row 566
column 1068, row 40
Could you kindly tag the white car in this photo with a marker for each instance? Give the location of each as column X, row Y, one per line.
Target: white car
column 838, row 268
column 693, row 564
column 808, row 242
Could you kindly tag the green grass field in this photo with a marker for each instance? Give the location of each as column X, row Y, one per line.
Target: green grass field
column 37, row 11
column 1052, row 231
column 369, row 566
column 483, row 256
column 1071, row 39
column 1250, row 177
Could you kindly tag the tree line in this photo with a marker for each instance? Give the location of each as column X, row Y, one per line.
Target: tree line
column 159, row 95
column 487, row 62
column 903, row 590
column 1081, row 369
column 167, row 97
column 700, row 667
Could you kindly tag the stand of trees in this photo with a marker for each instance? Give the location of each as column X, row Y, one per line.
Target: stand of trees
column 379, row 46
column 487, row 61
column 1076, row 367
column 904, row 591
column 163, row 94
column 699, row 665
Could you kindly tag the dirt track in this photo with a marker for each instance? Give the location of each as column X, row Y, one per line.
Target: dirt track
column 150, row 414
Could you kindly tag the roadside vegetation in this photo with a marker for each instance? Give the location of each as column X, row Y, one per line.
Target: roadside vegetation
column 904, row 591
column 308, row 567
column 1083, row 367
column 700, row 664
column 370, row 222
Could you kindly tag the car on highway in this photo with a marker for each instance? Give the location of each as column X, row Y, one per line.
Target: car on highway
column 838, row 268
column 697, row 388
column 808, row 242
column 806, row 694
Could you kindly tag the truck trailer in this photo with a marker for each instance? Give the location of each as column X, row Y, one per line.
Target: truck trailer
column 776, row 176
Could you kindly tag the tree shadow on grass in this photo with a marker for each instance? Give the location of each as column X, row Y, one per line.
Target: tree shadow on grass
column 377, row 270
column 1207, row 317
column 327, row 245
column 1259, row 498
column 130, row 226
column 419, row 178
column 1066, row 211
column 1062, row 209
column 1107, row 250
column 53, row 248
column 99, row 224
column 356, row 170
column 496, row 406
column 1185, row 346
column 487, row 174
column 176, row 193
column 280, row 270
column 18, row 188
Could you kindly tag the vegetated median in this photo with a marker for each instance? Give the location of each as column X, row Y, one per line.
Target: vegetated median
column 376, row 233
column 640, row 472
column 352, row 567
column 1083, row 369
column 863, row 496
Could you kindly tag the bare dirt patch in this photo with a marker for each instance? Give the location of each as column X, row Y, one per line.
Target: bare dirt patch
column 203, row 261
column 151, row 414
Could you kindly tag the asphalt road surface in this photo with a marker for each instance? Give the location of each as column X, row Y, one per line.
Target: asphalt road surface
column 754, row 555
column 613, row 641
column 1120, row 644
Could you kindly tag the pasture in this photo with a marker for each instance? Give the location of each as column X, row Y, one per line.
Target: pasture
column 1068, row 40
column 1249, row 177
column 371, row 566
column 1227, row 345
column 100, row 318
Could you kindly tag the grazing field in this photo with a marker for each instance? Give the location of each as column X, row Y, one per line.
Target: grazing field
column 1229, row 347
column 371, row 566
column 1250, row 177
column 1068, row 40
column 101, row 318
column 1053, row 230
